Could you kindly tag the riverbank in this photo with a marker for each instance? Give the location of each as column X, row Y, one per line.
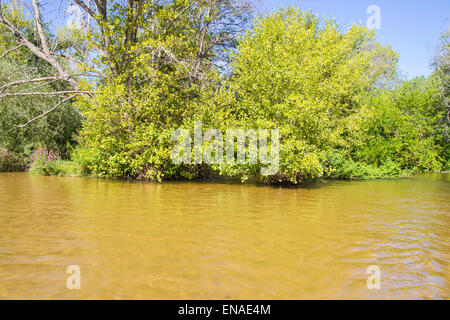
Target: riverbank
column 73, row 169
column 44, row 161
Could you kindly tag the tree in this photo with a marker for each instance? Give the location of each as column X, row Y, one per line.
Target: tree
column 308, row 79
column 442, row 75
column 400, row 128
column 30, row 38
column 162, row 60
column 26, row 91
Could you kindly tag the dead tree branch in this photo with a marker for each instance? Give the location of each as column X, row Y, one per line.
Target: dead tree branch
column 46, row 112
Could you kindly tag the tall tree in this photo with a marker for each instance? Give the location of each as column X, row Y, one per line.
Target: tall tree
column 31, row 37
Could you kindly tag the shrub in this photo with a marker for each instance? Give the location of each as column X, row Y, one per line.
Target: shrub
column 46, row 162
column 11, row 162
column 308, row 79
column 342, row 166
column 400, row 125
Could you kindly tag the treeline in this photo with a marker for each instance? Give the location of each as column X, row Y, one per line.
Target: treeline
column 150, row 67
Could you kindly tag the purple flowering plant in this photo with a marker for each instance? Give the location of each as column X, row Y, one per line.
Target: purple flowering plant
column 45, row 161
column 43, row 153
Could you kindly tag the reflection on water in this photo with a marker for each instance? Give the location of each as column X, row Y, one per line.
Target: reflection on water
column 218, row 240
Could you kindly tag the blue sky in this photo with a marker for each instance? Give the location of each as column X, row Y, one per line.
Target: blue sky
column 411, row 27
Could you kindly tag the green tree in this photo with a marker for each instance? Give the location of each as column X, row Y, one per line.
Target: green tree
column 400, row 127
column 309, row 79
column 161, row 60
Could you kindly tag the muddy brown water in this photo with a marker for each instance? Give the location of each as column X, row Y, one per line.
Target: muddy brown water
column 223, row 240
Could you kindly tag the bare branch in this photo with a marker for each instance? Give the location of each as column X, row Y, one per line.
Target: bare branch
column 47, row 112
column 10, row 50
column 37, row 20
column 76, row 61
column 46, row 56
column 19, row 82
column 55, row 93
column 86, row 8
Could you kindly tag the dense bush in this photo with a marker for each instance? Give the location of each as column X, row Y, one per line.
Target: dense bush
column 11, row 162
column 129, row 122
column 400, row 125
column 308, row 79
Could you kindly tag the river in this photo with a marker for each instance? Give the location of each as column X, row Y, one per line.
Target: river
column 224, row 240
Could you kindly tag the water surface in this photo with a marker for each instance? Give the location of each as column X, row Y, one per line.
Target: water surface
column 223, row 240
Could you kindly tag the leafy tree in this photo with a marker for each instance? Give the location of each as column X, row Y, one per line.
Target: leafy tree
column 399, row 126
column 161, row 60
column 309, row 79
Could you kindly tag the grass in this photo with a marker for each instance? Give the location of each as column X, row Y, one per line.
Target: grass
column 55, row 168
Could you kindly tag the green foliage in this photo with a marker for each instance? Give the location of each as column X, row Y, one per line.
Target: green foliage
column 400, row 125
column 330, row 93
column 164, row 84
column 56, row 168
column 341, row 166
column 308, row 79
column 133, row 139
column 87, row 159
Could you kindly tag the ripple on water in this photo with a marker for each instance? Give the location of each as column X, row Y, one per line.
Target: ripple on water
column 217, row 240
